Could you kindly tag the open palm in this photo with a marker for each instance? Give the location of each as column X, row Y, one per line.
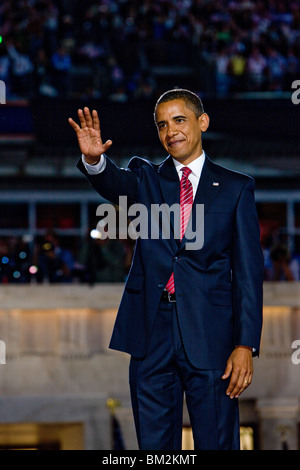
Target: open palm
column 89, row 135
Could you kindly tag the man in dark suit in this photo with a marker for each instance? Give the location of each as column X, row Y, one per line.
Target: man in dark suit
column 190, row 318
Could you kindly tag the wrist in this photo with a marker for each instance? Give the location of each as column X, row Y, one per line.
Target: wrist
column 245, row 347
column 92, row 160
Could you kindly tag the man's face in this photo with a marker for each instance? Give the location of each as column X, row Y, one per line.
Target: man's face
column 180, row 131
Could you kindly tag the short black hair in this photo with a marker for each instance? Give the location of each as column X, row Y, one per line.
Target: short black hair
column 190, row 98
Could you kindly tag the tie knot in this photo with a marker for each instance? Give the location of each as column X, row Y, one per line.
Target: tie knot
column 186, row 171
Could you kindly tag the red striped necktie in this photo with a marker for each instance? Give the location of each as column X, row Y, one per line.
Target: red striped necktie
column 186, row 202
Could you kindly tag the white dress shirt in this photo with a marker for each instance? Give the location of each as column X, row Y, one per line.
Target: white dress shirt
column 94, row 169
column 196, row 167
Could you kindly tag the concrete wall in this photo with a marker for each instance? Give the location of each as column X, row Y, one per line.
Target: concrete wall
column 58, row 369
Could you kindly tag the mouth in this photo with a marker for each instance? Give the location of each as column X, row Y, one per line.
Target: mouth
column 174, row 143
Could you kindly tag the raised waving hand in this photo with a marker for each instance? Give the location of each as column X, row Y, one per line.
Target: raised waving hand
column 89, row 135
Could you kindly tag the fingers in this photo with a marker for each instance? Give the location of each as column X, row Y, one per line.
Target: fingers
column 87, row 116
column 240, row 367
column 238, row 384
column 90, row 120
column 86, row 120
column 89, row 135
column 96, row 122
column 227, row 371
column 74, row 124
column 82, row 118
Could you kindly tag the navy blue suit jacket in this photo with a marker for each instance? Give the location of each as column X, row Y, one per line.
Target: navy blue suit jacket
column 218, row 287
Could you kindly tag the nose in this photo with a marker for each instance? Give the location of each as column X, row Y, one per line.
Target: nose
column 171, row 130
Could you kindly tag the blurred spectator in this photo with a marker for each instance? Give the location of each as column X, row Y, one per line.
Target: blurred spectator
column 256, row 70
column 102, row 261
column 144, row 86
column 43, row 81
column 116, row 75
column 54, row 263
column 292, row 67
column 14, row 261
column 89, row 261
column 276, row 69
column 237, row 70
column 61, row 63
column 222, row 71
column 5, row 269
column 280, row 269
column 90, row 52
column 22, row 70
column 119, row 95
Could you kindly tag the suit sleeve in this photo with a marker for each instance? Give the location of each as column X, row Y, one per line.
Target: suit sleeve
column 247, row 271
column 113, row 181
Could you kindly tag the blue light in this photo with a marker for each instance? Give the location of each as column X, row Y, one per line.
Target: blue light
column 5, row 260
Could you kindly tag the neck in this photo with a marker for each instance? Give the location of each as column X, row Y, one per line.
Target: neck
column 189, row 159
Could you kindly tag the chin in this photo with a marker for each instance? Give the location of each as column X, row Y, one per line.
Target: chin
column 179, row 157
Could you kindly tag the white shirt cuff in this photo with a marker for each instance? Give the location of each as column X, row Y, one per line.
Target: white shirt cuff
column 94, row 169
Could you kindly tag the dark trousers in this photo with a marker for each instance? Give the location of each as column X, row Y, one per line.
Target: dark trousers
column 157, row 385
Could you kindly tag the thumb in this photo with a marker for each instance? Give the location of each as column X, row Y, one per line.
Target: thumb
column 228, row 370
column 107, row 144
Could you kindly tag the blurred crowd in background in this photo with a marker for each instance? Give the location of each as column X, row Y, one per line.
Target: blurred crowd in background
column 52, row 259
column 232, row 45
column 118, row 50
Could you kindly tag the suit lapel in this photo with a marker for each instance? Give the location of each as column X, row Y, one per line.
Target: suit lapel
column 169, row 181
column 170, row 187
column 208, row 186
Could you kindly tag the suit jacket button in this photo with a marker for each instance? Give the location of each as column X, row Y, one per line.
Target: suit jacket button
column 176, row 259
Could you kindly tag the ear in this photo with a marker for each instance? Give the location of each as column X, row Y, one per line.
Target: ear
column 203, row 122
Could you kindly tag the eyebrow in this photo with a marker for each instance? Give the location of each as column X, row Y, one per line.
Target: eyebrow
column 173, row 119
